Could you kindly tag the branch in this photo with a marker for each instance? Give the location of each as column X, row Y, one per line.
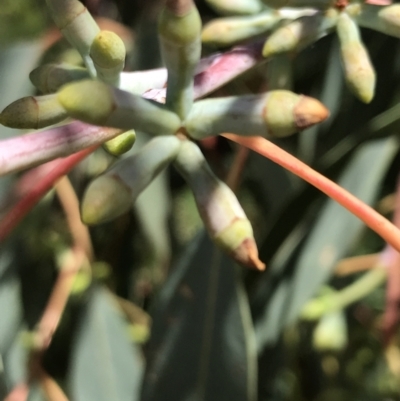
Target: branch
column 29, row 150
column 383, row 227
column 51, row 173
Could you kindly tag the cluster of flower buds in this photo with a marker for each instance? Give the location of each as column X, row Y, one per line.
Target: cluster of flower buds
column 103, row 95
column 298, row 23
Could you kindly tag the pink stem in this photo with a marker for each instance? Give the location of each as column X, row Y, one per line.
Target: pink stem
column 54, row 170
column 391, row 316
column 389, row 232
column 39, row 147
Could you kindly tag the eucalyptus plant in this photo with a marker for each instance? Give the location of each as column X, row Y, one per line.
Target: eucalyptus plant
column 100, row 104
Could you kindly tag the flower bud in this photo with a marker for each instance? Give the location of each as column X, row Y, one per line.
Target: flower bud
column 113, row 193
column 97, row 103
column 359, row 72
column 219, row 208
column 299, row 33
column 228, row 31
column 77, row 26
column 33, row 112
column 277, row 113
column 49, row 78
column 121, row 143
column 235, row 7
column 331, row 332
column 382, row 19
column 108, row 54
column 179, row 30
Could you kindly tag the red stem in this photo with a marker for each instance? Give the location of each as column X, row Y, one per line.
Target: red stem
column 59, row 167
column 389, row 232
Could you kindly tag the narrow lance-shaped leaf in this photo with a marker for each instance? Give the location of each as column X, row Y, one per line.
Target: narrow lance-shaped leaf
column 108, row 54
column 105, row 364
column 299, row 33
column 179, row 30
column 113, row 193
column 359, row 72
column 272, row 114
column 218, row 206
column 202, row 341
column 97, row 103
column 33, row 112
column 77, row 26
column 227, row 31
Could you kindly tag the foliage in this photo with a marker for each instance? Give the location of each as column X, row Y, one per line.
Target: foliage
column 158, row 241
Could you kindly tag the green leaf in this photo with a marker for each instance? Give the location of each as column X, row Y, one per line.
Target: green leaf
column 105, row 365
column 202, row 343
column 331, row 238
column 11, row 317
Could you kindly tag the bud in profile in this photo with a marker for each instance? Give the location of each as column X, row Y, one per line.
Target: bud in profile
column 273, row 114
column 235, row 7
column 33, row 112
column 121, row 143
column 108, row 54
column 359, row 72
column 96, row 103
column 219, row 208
column 77, row 26
column 228, row 31
column 299, row 33
column 49, row 78
column 179, row 31
column 382, row 19
column 113, row 193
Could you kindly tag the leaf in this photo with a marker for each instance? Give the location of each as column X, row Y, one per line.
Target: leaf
column 11, row 317
column 330, row 240
column 202, row 345
column 105, row 365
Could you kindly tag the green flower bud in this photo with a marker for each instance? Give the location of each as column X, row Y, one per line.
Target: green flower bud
column 49, row 78
column 219, row 208
column 33, row 112
column 179, row 31
column 113, row 193
column 108, row 54
column 97, row 103
column 276, row 113
column 121, row 143
column 228, row 31
column 76, row 25
column 382, row 19
column 235, row 7
column 299, row 33
column 359, row 72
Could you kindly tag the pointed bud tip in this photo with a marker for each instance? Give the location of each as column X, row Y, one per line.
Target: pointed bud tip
column 22, row 114
column 308, row 112
column 247, row 254
column 105, row 199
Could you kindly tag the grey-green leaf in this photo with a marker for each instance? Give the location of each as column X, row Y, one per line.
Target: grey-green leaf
column 202, row 343
column 105, row 364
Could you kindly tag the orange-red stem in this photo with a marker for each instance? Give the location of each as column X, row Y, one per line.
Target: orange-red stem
column 389, row 232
